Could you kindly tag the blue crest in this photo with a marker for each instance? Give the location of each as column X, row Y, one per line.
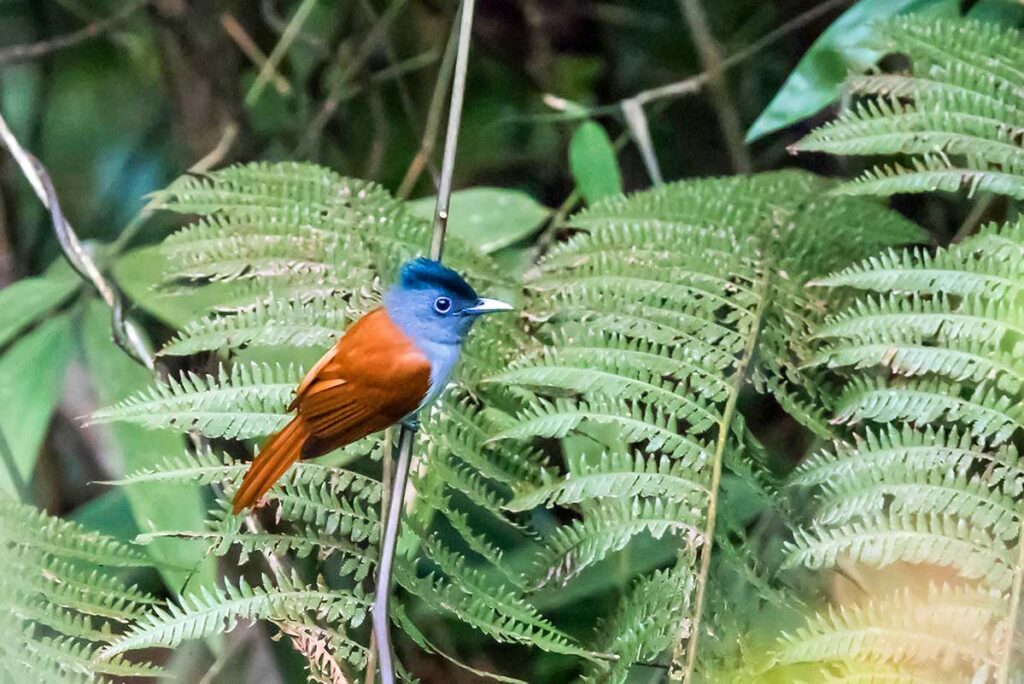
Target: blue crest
column 426, row 274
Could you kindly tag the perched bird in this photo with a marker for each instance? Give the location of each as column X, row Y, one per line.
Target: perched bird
column 391, row 363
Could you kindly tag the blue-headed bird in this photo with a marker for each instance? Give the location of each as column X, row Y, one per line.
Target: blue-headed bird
column 388, row 365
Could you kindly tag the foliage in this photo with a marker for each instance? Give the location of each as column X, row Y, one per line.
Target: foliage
column 63, row 601
column 927, row 352
column 605, row 491
column 958, row 116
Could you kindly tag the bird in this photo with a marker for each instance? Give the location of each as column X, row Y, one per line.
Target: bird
column 386, row 367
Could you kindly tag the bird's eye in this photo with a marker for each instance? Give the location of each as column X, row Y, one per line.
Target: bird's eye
column 442, row 305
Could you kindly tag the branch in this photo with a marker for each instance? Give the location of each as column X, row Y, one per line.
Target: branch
column 711, row 59
column 381, row 613
column 27, row 51
column 126, row 334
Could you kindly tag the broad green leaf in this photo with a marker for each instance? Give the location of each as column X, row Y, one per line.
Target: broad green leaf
column 155, row 506
column 30, row 299
column 487, row 218
column 31, row 379
column 844, row 47
column 593, row 163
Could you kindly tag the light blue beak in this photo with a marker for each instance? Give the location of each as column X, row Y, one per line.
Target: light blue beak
column 486, row 306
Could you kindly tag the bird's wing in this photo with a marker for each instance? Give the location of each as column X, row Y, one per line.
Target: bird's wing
column 373, row 377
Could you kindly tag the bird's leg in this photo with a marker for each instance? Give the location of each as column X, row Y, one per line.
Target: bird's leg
column 412, row 422
column 382, row 596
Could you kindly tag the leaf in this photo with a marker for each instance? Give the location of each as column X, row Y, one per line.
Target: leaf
column 155, row 506
column 31, row 379
column 593, row 163
column 843, row 47
column 487, row 218
column 29, row 299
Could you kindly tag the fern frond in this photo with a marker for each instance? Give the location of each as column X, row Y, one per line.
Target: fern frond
column 909, row 489
column 972, row 319
column 950, row 627
column 939, row 450
column 654, row 428
column 645, row 623
column 267, row 324
column 25, row 526
column 247, row 401
column 985, row 411
column 948, row 272
column 573, row 548
column 883, row 539
column 960, row 115
column 205, row 612
column 614, row 475
column 483, row 604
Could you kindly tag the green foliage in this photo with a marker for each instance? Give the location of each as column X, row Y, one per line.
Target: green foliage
column 593, row 162
column 958, row 116
column 926, row 352
column 845, row 45
column 62, row 600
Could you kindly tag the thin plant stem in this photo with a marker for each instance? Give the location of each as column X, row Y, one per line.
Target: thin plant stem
column 424, row 155
column 451, row 141
column 28, row 51
column 280, row 50
column 724, row 430
column 711, row 59
column 407, row 436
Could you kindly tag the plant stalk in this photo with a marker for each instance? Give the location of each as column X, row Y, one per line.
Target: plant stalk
column 381, row 616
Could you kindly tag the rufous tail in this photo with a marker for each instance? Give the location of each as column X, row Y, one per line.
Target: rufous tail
column 280, row 451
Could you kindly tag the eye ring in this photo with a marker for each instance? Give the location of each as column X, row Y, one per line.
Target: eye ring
column 442, row 305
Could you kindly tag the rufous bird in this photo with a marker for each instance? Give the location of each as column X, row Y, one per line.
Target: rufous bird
column 388, row 365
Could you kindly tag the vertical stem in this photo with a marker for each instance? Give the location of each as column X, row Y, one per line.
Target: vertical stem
column 381, row 617
column 712, row 61
column 444, row 190
column 724, row 427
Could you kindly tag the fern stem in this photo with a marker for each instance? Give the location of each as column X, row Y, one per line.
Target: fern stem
column 738, row 380
column 1003, row 675
column 381, row 618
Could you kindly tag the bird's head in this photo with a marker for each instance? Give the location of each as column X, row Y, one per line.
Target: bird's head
column 431, row 302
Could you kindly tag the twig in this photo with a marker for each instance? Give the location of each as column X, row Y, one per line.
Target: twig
column 711, row 59
column 280, row 50
column 381, row 616
column 27, row 51
column 424, row 155
column 693, row 84
column 251, row 50
column 211, row 159
column 724, row 430
column 126, row 334
column 334, row 98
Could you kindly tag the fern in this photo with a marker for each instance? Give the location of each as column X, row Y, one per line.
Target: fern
column 960, row 116
column 62, row 608
column 943, row 630
column 652, row 320
column 926, row 349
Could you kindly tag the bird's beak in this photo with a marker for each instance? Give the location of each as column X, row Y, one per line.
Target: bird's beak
column 486, row 306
